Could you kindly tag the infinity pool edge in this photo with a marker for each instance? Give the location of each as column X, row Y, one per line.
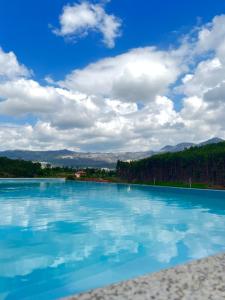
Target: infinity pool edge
column 198, row 280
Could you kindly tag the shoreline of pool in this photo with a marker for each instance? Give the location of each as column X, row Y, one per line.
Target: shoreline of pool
column 112, row 182
column 150, row 185
column 197, row 280
column 33, row 178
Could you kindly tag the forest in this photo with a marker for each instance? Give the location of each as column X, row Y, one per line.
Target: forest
column 200, row 165
column 13, row 168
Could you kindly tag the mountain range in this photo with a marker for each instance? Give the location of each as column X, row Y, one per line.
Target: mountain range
column 96, row 160
column 183, row 146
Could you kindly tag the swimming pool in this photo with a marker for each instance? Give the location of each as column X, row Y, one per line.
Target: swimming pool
column 60, row 238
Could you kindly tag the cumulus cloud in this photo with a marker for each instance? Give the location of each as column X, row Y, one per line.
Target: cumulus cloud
column 10, row 67
column 138, row 75
column 204, row 102
column 60, row 107
column 125, row 102
column 24, row 96
column 78, row 20
column 206, row 75
column 211, row 37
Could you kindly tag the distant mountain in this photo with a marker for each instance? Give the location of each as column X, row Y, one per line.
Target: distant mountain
column 95, row 160
column 214, row 140
column 178, row 147
column 183, row 146
column 197, row 167
column 75, row 159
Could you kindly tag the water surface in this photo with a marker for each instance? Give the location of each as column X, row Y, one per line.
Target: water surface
column 59, row 238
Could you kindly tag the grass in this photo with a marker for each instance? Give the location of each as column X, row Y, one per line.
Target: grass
column 114, row 179
column 173, row 184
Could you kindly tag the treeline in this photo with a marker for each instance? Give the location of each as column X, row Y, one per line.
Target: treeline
column 95, row 174
column 204, row 164
column 20, row 168
column 99, row 173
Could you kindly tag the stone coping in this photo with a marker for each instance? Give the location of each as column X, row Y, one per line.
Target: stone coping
column 198, row 280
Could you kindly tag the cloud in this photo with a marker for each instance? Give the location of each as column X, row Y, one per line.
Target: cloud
column 138, row 75
column 204, row 102
column 26, row 96
column 211, row 37
column 206, row 75
column 78, row 20
column 10, row 67
column 69, row 117
column 123, row 103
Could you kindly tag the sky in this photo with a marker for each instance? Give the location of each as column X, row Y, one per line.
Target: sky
column 115, row 75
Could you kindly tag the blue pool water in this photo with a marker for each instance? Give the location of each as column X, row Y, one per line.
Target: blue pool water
column 59, row 238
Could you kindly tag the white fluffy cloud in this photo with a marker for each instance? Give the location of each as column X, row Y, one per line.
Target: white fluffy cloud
column 10, row 67
column 124, row 102
column 23, row 96
column 138, row 75
column 78, row 19
column 212, row 37
column 204, row 88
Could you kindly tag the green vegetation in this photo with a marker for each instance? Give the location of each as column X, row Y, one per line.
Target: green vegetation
column 18, row 168
column 54, row 172
column 99, row 173
column 172, row 184
column 199, row 166
column 21, row 168
column 96, row 175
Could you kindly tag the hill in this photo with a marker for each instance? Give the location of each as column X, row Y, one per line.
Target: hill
column 18, row 168
column 74, row 159
column 199, row 164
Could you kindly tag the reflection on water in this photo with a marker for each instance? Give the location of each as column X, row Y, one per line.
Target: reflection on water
column 58, row 238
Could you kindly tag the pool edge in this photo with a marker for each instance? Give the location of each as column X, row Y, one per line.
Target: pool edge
column 153, row 186
column 200, row 279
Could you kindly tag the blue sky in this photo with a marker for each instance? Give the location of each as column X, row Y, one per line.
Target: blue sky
column 102, row 106
column 24, row 28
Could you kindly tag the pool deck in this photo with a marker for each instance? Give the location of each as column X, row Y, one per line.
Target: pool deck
column 199, row 280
